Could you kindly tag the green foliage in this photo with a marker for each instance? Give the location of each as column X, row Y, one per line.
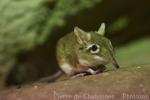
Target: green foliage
column 26, row 23
column 62, row 9
column 19, row 23
column 120, row 24
column 136, row 53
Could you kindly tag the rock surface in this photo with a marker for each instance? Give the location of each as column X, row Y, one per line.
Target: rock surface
column 129, row 83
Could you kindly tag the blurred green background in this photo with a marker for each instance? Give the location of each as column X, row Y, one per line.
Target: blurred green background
column 29, row 30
